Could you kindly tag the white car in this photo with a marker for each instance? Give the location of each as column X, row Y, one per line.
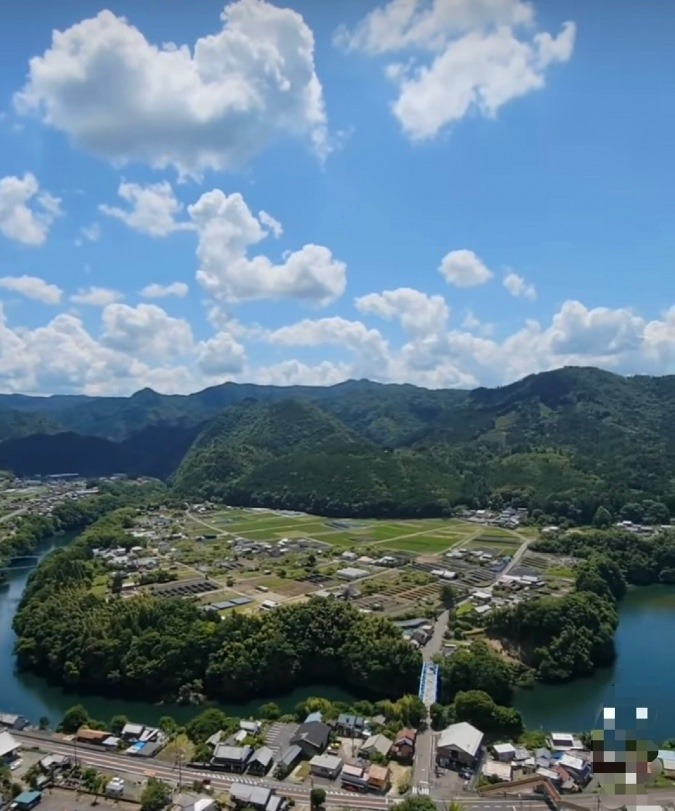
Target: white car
column 15, row 764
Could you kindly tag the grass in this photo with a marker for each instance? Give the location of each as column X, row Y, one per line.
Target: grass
column 421, row 544
column 180, row 744
column 560, row 571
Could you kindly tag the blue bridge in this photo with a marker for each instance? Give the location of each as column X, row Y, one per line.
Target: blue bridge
column 428, row 691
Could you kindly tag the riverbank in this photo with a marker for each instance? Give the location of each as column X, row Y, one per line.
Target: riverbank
column 642, row 675
column 33, row 697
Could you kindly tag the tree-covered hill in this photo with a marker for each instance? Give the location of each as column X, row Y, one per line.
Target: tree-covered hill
column 563, row 442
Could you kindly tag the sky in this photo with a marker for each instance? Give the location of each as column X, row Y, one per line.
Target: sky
column 449, row 193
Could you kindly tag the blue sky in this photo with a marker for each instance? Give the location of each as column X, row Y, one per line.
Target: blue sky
column 453, row 192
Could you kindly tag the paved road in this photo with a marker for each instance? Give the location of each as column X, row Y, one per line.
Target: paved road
column 435, row 644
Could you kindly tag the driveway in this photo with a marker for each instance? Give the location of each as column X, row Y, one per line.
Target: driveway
column 278, row 737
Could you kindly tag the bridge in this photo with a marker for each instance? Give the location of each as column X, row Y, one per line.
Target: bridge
column 428, row 691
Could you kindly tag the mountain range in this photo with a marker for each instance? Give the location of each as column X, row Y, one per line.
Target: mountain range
column 563, row 441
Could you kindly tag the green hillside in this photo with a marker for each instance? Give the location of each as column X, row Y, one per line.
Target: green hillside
column 563, row 442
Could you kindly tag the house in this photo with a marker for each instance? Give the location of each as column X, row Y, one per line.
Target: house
column 498, row 769
column 376, row 745
column 349, row 556
column 350, row 724
column 458, row 744
column 132, row 732
column 27, row 800
column 231, row 758
column 550, row 774
column 579, row 769
column 93, row 736
column 52, row 763
column 9, row 747
column 378, row 778
column 289, row 758
column 261, row 762
column 404, row 744
column 17, row 722
column 245, row 795
column 352, row 573
column 563, row 741
column 505, row 752
column 250, row 727
column 354, row 778
column 193, row 802
column 314, row 716
column 215, row 739
column 312, row 737
column 326, row 766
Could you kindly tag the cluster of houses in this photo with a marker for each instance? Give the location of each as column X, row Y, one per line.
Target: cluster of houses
column 564, row 762
column 315, row 742
column 134, row 739
column 509, row 518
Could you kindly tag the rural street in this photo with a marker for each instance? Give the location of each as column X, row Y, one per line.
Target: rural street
column 143, row 768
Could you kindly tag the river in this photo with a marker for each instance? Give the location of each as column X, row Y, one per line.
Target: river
column 32, row 697
column 643, row 675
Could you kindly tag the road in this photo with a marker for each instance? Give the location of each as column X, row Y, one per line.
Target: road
column 147, row 767
column 515, row 560
column 20, row 511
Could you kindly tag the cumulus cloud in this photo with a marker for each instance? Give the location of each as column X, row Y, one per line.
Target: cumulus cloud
column 464, row 269
column 33, row 288
column 96, row 297
column 212, row 104
column 457, row 57
column 177, row 289
column 227, row 229
column 145, row 331
column 221, row 355
column 152, row 209
column 417, row 312
column 518, row 287
column 26, row 213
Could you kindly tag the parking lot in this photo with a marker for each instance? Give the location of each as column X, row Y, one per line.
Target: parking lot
column 278, row 737
column 63, row 800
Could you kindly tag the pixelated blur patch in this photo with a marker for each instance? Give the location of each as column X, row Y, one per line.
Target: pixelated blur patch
column 624, row 758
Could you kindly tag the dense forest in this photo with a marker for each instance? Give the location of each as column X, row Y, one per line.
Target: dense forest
column 561, row 443
column 562, row 638
column 159, row 647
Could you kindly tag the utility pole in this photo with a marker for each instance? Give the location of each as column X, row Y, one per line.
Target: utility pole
column 179, row 758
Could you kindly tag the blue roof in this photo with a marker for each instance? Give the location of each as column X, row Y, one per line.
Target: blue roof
column 28, row 797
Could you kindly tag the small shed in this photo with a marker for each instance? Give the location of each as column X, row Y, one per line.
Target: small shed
column 27, row 800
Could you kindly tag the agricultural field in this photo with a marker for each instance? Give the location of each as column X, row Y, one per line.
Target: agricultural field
column 238, row 559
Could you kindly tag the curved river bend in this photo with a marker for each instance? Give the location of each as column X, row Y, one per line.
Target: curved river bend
column 643, row 675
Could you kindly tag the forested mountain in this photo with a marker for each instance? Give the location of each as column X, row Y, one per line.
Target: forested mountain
column 562, row 441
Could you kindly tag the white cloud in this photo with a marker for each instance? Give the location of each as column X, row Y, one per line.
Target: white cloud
column 145, row 331
column 272, row 225
column 33, row 288
column 221, row 355
column 177, row 289
column 213, row 104
column 517, row 286
column 88, row 233
column 295, row 373
column 227, row 229
column 416, row 311
column 458, row 57
column 26, row 213
column 464, row 269
column 153, row 209
column 96, row 297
